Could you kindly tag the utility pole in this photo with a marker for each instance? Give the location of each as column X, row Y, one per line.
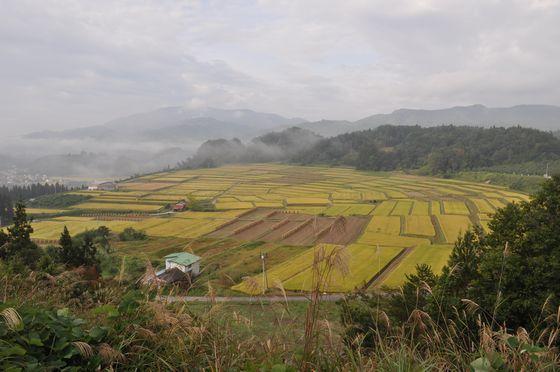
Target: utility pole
column 265, row 279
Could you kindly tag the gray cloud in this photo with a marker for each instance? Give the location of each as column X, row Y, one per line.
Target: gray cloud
column 67, row 63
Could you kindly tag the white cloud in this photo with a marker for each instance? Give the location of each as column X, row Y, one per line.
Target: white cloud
column 67, row 63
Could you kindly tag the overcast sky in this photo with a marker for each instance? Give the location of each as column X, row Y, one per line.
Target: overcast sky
column 74, row 63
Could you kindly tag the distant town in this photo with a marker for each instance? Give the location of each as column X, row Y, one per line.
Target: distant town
column 18, row 177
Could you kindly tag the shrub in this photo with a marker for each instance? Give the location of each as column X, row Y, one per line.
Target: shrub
column 131, row 234
column 35, row 338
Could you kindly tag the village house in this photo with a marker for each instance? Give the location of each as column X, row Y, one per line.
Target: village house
column 180, row 206
column 180, row 267
column 103, row 186
column 186, row 262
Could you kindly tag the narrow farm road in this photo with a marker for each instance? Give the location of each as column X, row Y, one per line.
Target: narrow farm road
column 242, row 299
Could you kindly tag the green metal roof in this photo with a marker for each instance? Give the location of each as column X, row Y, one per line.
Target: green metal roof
column 182, row 258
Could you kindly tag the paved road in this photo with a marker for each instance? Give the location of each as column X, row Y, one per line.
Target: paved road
column 256, row 299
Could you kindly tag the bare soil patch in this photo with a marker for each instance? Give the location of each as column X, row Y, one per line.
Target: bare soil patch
column 292, row 228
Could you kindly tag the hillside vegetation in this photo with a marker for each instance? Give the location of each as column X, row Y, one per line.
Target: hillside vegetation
column 438, row 149
column 435, row 150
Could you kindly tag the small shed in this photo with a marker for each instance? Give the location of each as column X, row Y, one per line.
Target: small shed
column 186, row 262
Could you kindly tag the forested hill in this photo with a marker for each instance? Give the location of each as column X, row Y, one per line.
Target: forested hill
column 439, row 150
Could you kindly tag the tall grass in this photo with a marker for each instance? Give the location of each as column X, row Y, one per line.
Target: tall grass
column 157, row 335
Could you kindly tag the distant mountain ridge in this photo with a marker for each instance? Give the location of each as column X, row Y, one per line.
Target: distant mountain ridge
column 176, row 124
column 543, row 117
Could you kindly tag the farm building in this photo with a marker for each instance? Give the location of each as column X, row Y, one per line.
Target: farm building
column 179, row 267
column 186, row 262
column 180, row 206
column 104, row 186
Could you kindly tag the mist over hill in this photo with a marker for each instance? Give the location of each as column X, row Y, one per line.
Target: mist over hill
column 271, row 147
column 434, row 150
column 176, row 124
column 160, row 138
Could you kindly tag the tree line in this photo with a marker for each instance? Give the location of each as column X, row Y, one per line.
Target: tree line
column 436, row 150
column 9, row 195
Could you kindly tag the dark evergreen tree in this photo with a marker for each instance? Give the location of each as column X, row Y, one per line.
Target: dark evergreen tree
column 66, row 247
column 87, row 252
column 19, row 245
column 20, row 232
column 6, row 209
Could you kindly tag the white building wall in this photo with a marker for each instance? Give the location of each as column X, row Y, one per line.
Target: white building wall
column 194, row 268
column 171, row 265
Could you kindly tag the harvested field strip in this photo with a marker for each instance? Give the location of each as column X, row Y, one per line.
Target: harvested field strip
column 228, row 228
column 353, row 228
column 297, row 228
column 255, row 232
column 306, row 235
column 280, row 224
column 453, row 226
column 419, row 225
column 276, row 233
column 324, row 231
column 247, row 226
column 434, row 255
column 455, row 207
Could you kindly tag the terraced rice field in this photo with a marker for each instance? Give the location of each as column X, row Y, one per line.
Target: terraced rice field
column 419, row 225
column 433, row 255
column 453, row 226
column 420, row 216
column 360, row 263
column 455, row 207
